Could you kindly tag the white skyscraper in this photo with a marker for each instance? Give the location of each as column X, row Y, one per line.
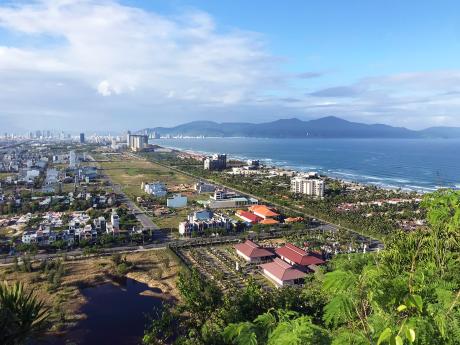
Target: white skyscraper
column 308, row 186
column 72, row 159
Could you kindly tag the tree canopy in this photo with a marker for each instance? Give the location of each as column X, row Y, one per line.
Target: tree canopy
column 409, row 293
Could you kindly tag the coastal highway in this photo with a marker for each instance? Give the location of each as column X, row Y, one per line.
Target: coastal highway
column 279, row 206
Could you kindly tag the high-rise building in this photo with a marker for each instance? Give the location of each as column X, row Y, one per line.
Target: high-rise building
column 216, row 162
column 155, row 135
column 82, row 138
column 307, row 185
column 72, row 159
column 128, row 135
column 138, row 142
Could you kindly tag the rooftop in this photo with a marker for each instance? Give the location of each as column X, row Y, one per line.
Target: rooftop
column 269, row 221
column 252, row 250
column 282, row 270
column 248, row 215
column 297, row 255
column 263, row 210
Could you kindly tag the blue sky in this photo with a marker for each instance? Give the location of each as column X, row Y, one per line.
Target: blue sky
column 133, row 64
column 353, row 38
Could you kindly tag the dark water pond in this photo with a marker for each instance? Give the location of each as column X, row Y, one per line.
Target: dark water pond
column 115, row 315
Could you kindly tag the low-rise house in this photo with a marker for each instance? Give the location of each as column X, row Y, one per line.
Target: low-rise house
column 248, row 217
column 263, row 211
column 115, row 219
column 86, row 233
column 29, row 237
column 252, row 253
column 176, row 201
column 227, row 199
column 269, row 221
column 296, row 256
column 87, row 173
column 42, row 237
column 282, row 274
column 199, row 221
column 203, row 187
column 100, row 224
column 157, row 189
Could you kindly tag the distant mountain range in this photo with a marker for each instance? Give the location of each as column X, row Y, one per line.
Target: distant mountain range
column 326, row 127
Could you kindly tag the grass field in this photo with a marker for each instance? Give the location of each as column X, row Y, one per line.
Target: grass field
column 4, row 175
column 130, row 173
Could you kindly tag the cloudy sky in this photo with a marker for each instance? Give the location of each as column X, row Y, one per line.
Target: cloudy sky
column 115, row 65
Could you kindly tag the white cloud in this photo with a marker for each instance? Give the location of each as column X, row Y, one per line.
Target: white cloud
column 99, row 64
column 117, row 50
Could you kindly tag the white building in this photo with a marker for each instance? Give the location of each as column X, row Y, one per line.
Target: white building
column 176, row 201
column 308, row 186
column 155, row 188
column 115, row 219
column 216, row 162
column 201, row 220
column 137, row 142
column 203, row 187
column 72, row 159
column 227, row 199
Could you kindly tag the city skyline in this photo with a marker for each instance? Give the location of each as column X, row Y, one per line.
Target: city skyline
column 115, row 65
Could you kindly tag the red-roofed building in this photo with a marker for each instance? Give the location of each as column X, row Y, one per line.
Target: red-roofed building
column 293, row 220
column 294, row 255
column 263, row 211
column 281, row 273
column 248, row 216
column 251, row 252
column 269, row 221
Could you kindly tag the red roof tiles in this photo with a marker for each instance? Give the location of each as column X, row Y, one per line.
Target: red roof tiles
column 297, row 255
column 252, row 250
column 263, row 211
column 248, row 216
column 282, row 270
column 268, row 221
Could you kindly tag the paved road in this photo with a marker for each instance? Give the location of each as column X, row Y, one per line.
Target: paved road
column 189, row 242
column 258, row 197
column 145, row 220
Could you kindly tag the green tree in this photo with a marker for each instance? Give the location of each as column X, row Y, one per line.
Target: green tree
column 22, row 315
column 200, row 297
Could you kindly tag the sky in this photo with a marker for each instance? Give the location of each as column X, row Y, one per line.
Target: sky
column 131, row 64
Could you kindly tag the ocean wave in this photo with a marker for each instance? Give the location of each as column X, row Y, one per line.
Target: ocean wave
column 389, row 175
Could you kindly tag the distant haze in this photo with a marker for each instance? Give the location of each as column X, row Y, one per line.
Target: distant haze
column 326, row 127
column 129, row 64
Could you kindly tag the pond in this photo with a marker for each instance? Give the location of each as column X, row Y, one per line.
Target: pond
column 115, row 314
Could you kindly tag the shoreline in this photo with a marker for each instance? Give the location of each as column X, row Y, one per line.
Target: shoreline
column 299, row 170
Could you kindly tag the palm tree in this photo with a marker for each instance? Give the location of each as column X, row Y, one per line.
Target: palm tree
column 22, row 315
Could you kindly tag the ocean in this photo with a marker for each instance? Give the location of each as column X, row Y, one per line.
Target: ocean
column 412, row 164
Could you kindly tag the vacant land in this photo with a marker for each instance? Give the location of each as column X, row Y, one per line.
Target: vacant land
column 156, row 268
column 130, row 172
column 4, row 175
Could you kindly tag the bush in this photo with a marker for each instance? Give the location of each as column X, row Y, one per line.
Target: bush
column 117, row 259
column 122, row 269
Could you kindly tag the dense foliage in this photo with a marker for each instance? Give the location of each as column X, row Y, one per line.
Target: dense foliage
column 21, row 314
column 409, row 293
column 369, row 219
